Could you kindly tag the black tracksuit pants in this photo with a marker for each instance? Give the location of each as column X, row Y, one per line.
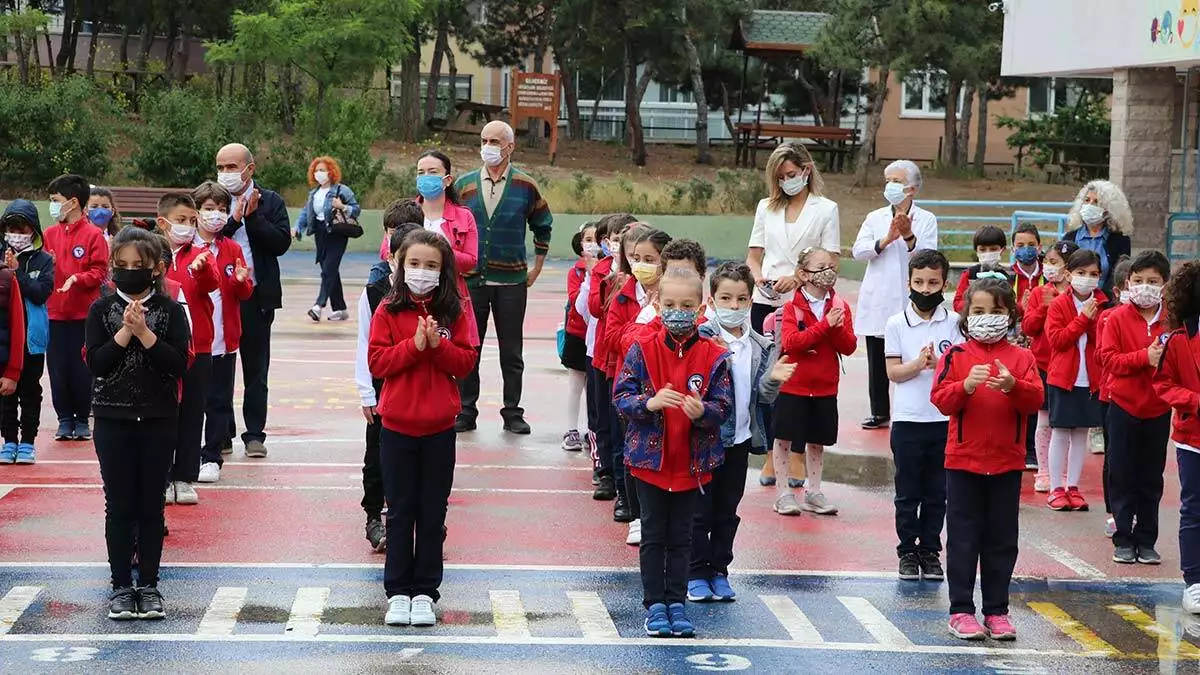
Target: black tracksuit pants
column 981, row 531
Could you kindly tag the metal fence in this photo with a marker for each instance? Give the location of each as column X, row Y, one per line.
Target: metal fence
column 956, row 229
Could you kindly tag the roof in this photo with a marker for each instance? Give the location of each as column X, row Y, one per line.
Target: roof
column 765, row 32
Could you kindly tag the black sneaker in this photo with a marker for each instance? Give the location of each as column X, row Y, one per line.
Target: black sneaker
column 931, row 566
column 910, row 567
column 595, row 477
column 66, row 431
column 606, row 491
column 462, row 424
column 621, row 511
column 150, row 603
column 122, row 604
column 1146, row 555
column 1126, row 555
column 875, row 422
column 517, row 425
column 377, row 535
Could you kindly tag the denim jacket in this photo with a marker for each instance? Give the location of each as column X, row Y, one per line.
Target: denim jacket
column 644, row 429
column 763, row 391
column 308, row 222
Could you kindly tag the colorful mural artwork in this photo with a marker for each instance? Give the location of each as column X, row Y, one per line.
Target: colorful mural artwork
column 1169, row 30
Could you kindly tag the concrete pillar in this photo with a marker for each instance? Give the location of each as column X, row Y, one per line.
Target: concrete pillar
column 1143, row 113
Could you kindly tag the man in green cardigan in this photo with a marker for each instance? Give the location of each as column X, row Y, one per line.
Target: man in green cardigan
column 505, row 201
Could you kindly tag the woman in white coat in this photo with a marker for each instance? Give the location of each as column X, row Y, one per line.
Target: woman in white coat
column 887, row 238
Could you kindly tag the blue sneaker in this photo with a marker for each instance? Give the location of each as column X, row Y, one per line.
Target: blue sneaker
column 766, row 481
column 795, row 483
column 680, row 626
column 66, row 431
column 8, row 453
column 82, row 431
column 657, row 623
column 722, row 591
column 699, row 590
column 26, row 454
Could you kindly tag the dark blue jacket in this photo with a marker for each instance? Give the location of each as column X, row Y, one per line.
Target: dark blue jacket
column 763, row 391
column 35, row 277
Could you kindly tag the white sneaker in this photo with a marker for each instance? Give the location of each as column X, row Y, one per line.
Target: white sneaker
column 818, row 504
column 340, row 315
column 210, row 472
column 315, row 313
column 185, row 494
column 399, row 610
column 421, row 613
column 635, row 533
column 169, row 495
column 1191, row 599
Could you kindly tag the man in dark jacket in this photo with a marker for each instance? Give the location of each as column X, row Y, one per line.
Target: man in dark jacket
column 259, row 223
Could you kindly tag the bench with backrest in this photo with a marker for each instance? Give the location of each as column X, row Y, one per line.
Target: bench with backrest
column 140, row 202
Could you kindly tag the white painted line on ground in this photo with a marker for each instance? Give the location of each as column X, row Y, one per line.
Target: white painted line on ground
column 593, row 617
column 508, row 613
column 1069, row 560
column 222, row 613
column 14, row 603
column 307, row 608
column 348, row 465
column 300, row 488
column 314, row 361
column 875, row 622
column 793, row 620
column 4, row 489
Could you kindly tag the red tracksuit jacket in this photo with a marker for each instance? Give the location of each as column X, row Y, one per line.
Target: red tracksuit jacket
column 1178, row 383
column 597, row 294
column 576, row 324
column 622, row 311
column 1033, row 323
column 1064, row 326
column 1125, row 337
column 814, row 346
column 79, row 250
column 233, row 292
column 197, row 284
column 16, row 331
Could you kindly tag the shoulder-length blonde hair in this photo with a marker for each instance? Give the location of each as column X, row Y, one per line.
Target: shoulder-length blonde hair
column 798, row 155
column 1112, row 200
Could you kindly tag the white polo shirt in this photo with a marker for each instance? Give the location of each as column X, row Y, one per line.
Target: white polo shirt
column 743, row 362
column 1081, row 378
column 904, row 335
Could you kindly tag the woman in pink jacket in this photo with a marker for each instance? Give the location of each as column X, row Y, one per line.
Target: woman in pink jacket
column 444, row 215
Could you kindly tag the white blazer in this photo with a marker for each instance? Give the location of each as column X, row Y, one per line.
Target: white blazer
column 884, row 290
column 782, row 242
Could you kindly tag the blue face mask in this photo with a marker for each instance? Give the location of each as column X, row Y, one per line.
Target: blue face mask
column 604, row 248
column 430, row 187
column 100, row 216
column 678, row 321
column 1026, row 254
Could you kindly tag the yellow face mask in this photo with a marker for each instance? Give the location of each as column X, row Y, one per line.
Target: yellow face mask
column 645, row 273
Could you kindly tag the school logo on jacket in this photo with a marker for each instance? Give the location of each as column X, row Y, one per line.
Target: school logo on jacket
column 229, row 270
column 78, row 252
column 443, row 332
column 943, row 346
column 695, row 382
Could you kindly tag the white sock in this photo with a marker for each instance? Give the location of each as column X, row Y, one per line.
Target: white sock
column 1060, row 440
column 1079, row 450
column 781, row 457
column 577, row 381
column 814, row 462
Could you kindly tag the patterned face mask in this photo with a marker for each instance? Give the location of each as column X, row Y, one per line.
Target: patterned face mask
column 679, row 321
column 987, row 328
column 825, row 279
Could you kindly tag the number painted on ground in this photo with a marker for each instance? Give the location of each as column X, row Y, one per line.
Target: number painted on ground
column 64, row 654
column 714, row 662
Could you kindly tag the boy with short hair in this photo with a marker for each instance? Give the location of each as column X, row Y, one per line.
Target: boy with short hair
column 914, row 342
column 989, row 242
column 33, row 269
column 80, row 266
column 1027, row 249
column 396, row 214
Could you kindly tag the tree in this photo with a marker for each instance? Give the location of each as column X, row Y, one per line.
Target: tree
column 448, row 18
column 24, row 26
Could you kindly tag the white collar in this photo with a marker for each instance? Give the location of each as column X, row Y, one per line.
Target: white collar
column 810, row 298
column 128, row 299
column 1037, row 270
column 910, row 315
column 730, row 338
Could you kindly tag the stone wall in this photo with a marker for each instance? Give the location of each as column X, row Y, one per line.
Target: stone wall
column 1143, row 113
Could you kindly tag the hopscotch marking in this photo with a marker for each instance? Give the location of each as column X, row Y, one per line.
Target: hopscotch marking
column 305, row 618
column 222, row 613
column 792, row 618
column 875, row 622
column 508, row 613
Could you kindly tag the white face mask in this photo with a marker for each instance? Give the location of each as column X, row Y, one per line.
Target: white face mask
column 420, row 281
column 181, row 234
column 1084, row 285
column 894, row 193
column 491, row 155
column 231, row 180
column 794, row 185
column 213, row 221
column 18, row 242
column 1091, row 214
column 987, row 328
column 1145, row 295
column 591, row 248
column 988, row 258
column 322, row 177
column 1051, row 271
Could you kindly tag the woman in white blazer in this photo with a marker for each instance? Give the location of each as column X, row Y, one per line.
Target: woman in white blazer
column 887, row 238
column 794, row 217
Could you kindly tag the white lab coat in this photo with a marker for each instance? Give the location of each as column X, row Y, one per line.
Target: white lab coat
column 884, row 289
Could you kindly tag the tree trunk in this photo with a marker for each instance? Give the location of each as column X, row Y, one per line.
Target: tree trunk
column 963, row 142
column 49, row 53
column 596, row 104
column 125, row 35
column 410, row 90
column 289, row 111
column 635, row 89
column 23, row 58
column 91, row 57
column 65, row 42
column 76, row 26
column 319, row 112
column 169, row 52
column 703, row 152
column 982, row 133
column 452, row 72
column 820, row 103
column 950, row 126
column 878, row 96
column 147, row 40
column 727, row 111
column 183, row 52
column 833, row 116
column 435, row 68
column 566, row 72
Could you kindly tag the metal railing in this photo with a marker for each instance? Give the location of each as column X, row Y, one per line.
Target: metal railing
column 1006, row 215
column 1183, row 237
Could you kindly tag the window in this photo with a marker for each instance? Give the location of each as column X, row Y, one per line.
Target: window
column 462, row 87
column 1046, row 95
column 667, row 94
column 614, row 85
column 924, row 94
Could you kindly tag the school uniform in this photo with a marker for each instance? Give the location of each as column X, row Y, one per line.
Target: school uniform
column 671, row 456
column 20, row 413
column 379, row 285
column 622, row 311
column 599, row 385
column 417, row 442
column 227, row 335
column 1074, row 376
column 1177, row 382
column 806, row 411
column 574, row 352
column 196, row 286
column 919, row 429
column 1138, row 423
column 985, row 457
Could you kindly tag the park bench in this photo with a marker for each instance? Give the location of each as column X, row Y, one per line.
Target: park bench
column 140, row 202
column 837, row 143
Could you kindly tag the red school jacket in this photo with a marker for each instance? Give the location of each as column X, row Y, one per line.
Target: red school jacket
column 597, row 294
column 393, row 357
column 233, row 292
column 1125, row 337
column 196, row 287
column 1064, row 326
column 1177, row 382
column 814, row 346
column 576, row 324
column 987, row 427
column 79, row 250
column 621, row 312
column 1033, row 323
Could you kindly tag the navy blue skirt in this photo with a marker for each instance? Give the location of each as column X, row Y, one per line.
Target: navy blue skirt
column 1074, row 409
column 1045, row 390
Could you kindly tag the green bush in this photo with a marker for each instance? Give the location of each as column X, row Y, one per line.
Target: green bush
column 66, row 126
column 352, row 125
column 1077, row 135
column 739, row 190
column 181, row 134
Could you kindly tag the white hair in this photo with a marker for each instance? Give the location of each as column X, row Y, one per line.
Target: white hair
column 1116, row 207
column 509, row 135
column 910, row 169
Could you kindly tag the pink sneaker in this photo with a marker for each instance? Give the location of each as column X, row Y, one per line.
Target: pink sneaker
column 966, row 627
column 999, row 627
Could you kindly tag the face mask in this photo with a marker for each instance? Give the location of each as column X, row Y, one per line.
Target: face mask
column 431, row 187
column 591, row 248
column 213, row 221
column 614, row 249
column 322, row 177
column 1144, row 295
column 1091, row 214
column 132, row 281
column 794, row 185
column 604, row 248
column 1123, row 296
column 56, row 211
column 988, row 258
column 894, row 193
column 1026, row 254
column 181, row 234
column 987, row 328
column 1084, row 285
column 825, row 279
column 1051, row 272
column 925, row 302
column 645, row 273
column 100, row 216
column 679, row 321
column 231, row 180
column 18, row 242
column 732, row 318
column 421, row 282
column 491, row 155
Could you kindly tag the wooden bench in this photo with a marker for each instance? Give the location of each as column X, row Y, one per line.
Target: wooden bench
column 140, row 202
column 837, row 142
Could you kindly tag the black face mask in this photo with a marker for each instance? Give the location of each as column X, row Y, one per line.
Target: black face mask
column 133, row 281
column 925, row 303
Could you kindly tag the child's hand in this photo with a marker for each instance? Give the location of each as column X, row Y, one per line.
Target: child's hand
column 1003, row 380
column 783, row 369
column 422, row 334
column 432, row 336
column 10, row 259
column 1155, row 352
column 198, row 263
column 666, row 397
column 369, row 413
column 1090, row 308
column 928, row 362
column 7, row 387
column 978, row 375
column 67, row 284
column 240, row 271
column 135, row 318
column 835, row 316
column 693, row 408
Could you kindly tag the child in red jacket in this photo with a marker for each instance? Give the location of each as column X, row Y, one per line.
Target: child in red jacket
column 817, row 332
column 1138, row 421
column 988, row 387
column 1074, row 377
column 419, row 342
column 573, row 354
column 1120, row 275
